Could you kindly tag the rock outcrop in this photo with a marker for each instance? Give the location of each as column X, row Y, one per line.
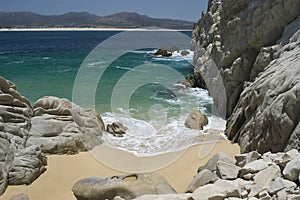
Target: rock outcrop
column 53, row 126
column 61, row 127
column 125, row 187
column 18, row 164
column 267, row 115
column 251, row 43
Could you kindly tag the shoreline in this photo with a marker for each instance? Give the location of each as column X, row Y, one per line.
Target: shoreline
column 90, row 29
column 71, row 168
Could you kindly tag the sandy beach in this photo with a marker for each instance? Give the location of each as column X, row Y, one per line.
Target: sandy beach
column 64, row 170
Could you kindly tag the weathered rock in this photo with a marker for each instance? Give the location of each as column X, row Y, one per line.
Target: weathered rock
column 243, row 159
column 227, row 171
column 204, row 177
column 127, row 187
column 292, row 169
column 18, row 164
column 219, row 190
column 279, row 184
column 234, row 33
column 254, row 167
column 196, row 120
column 6, row 158
column 263, row 179
column 116, row 129
column 267, row 115
column 212, row 163
column 61, row 127
column 29, row 163
column 20, row 197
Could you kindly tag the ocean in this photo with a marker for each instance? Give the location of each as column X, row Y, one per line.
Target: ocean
column 124, row 81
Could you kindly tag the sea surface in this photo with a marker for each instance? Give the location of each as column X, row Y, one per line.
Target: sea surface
column 46, row 63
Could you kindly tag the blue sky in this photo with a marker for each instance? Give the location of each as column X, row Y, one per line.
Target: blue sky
column 176, row 9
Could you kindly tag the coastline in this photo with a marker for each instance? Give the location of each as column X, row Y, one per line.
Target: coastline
column 90, row 29
column 71, row 168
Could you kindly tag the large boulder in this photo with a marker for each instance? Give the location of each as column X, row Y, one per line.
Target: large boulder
column 196, row 120
column 126, row 187
column 61, row 127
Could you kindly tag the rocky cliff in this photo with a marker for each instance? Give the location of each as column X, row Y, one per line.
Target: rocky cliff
column 27, row 134
column 254, row 44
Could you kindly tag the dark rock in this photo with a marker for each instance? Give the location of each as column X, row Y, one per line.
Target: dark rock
column 163, row 53
column 184, row 52
column 116, row 129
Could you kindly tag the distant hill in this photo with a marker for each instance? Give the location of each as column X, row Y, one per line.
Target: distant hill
column 87, row 20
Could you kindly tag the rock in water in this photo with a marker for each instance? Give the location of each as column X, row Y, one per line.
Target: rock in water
column 196, row 120
column 163, row 53
column 61, row 127
column 127, row 187
column 116, row 129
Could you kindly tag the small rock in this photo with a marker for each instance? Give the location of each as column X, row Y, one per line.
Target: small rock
column 185, row 53
column 212, row 163
column 281, row 194
column 196, row 120
column 264, row 195
column 116, row 129
column 227, row 171
column 254, row 167
column 248, row 176
column 243, row 159
column 263, row 179
column 292, row 169
column 19, row 197
column 219, row 190
column 202, row 178
column 279, row 184
column 163, row 53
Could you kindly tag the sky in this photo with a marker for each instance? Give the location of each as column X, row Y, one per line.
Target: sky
column 174, row 9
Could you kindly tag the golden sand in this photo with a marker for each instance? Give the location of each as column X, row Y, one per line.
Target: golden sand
column 64, row 170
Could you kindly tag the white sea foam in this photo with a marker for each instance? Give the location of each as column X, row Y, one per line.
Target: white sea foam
column 161, row 134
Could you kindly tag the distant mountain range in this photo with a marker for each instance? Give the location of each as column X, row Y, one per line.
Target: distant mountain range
column 87, row 20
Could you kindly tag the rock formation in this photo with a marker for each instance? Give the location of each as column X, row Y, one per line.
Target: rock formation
column 251, row 43
column 61, row 127
column 117, row 129
column 53, row 125
column 125, row 187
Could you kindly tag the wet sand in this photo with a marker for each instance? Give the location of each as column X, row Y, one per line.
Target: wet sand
column 64, row 170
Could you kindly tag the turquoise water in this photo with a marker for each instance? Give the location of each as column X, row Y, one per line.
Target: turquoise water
column 46, row 63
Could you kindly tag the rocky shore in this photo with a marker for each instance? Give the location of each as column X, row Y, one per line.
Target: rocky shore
column 255, row 46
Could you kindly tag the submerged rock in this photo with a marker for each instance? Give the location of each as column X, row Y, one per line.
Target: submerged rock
column 126, row 187
column 196, row 120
